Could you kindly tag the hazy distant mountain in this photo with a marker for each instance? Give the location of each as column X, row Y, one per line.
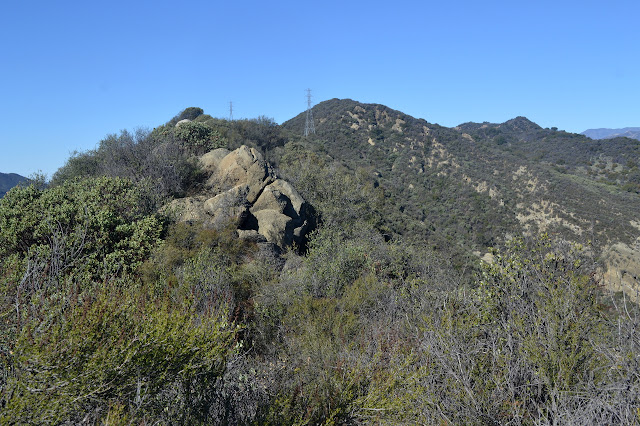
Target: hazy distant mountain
column 8, row 181
column 629, row 132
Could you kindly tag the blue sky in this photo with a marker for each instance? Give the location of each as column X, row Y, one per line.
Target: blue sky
column 72, row 72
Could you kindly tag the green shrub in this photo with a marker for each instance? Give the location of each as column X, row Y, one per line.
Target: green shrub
column 198, row 137
column 96, row 227
column 66, row 240
column 154, row 158
column 119, row 348
column 523, row 341
column 190, row 113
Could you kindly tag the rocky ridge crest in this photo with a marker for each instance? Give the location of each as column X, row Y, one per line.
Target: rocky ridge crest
column 244, row 191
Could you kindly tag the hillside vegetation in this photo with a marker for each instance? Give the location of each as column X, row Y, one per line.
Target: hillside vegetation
column 465, row 189
column 116, row 312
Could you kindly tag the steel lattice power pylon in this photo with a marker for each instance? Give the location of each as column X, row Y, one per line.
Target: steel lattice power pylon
column 309, row 127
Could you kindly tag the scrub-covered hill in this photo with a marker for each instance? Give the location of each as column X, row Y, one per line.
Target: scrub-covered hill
column 475, row 185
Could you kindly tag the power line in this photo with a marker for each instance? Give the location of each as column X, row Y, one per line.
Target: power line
column 309, row 127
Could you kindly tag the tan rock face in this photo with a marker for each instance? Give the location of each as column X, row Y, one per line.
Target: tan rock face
column 228, row 207
column 284, row 187
column 282, row 198
column 245, row 192
column 242, row 166
column 211, row 160
column 272, row 199
column 187, row 209
column 276, row 227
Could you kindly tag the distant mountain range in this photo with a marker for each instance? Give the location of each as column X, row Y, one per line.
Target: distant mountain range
column 8, row 181
column 629, row 132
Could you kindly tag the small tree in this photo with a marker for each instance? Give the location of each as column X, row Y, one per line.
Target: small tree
column 190, row 113
column 198, row 137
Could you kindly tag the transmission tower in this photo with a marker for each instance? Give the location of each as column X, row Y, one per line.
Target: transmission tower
column 230, row 111
column 309, row 126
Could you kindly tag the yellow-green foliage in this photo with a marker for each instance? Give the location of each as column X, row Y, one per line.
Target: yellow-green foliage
column 547, row 298
column 122, row 345
column 342, row 345
column 396, row 345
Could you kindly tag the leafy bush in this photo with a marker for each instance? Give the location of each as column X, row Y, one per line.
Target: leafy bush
column 63, row 240
column 537, row 308
column 198, row 137
column 190, row 113
column 82, row 337
column 96, row 227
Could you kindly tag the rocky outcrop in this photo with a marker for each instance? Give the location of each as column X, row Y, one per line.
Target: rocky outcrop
column 276, row 227
column 187, row 209
column 243, row 191
column 280, row 200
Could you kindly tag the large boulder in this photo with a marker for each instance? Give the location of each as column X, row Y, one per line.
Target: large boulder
column 228, row 207
column 286, row 188
column 276, row 227
column 280, row 196
column 242, row 166
column 273, row 199
column 188, row 209
column 211, row 160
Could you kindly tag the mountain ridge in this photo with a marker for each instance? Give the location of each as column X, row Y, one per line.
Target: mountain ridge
column 478, row 183
column 8, row 181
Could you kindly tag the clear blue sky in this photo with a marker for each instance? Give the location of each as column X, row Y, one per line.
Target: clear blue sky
column 72, row 72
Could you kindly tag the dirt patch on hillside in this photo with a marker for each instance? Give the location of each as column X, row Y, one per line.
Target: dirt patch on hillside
column 622, row 264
